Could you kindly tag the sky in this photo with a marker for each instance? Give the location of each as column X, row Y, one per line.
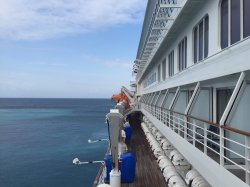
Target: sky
column 68, row 48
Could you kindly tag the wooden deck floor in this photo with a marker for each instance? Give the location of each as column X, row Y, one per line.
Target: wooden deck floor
column 148, row 173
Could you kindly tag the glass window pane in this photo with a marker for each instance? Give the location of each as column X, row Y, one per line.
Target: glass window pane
column 195, row 45
column 246, row 19
column 179, row 57
column 171, row 68
column 181, row 103
column 161, row 97
column 185, row 52
column 164, row 69
column 224, row 24
column 168, row 100
column 235, row 21
column 172, row 64
column 202, row 105
column 201, row 41
column 182, row 55
column 159, row 73
column 155, row 98
column 169, row 65
column 206, row 37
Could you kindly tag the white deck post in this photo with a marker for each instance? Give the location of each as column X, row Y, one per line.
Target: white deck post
column 194, row 132
column 247, row 155
column 222, row 147
column 115, row 120
column 205, row 138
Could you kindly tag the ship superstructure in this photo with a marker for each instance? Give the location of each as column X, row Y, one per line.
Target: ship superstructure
column 192, row 77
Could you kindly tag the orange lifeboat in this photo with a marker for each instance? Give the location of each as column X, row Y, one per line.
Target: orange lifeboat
column 121, row 97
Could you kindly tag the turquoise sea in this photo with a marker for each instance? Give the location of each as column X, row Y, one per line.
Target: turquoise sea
column 39, row 138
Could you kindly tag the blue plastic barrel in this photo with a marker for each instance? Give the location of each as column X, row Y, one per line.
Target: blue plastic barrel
column 128, row 132
column 126, row 166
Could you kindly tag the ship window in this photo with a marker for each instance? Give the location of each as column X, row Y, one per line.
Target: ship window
column 181, row 102
column 147, row 99
column 171, row 64
column 224, row 24
column 206, row 37
column 150, row 80
column 150, row 98
column 235, row 23
column 164, row 69
column 246, row 18
column 142, row 99
column 182, row 54
column 156, row 98
column 200, row 40
column 161, row 97
column 195, row 44
column 159, row 73
column 168, row 100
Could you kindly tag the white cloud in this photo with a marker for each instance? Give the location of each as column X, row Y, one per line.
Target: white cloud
column 112, row 63
column 34, row 19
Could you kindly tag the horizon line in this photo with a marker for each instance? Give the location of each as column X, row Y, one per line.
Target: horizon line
column 55, row 98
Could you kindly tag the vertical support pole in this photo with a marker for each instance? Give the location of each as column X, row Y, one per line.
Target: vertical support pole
column 247, row 155
column 115, row 120
column 189, row 107
column 179, row 124
column 185, row 127
column 205, row 138
column 194, row 132
column 222, row 134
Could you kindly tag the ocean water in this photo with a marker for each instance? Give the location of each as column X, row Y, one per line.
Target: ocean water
column 39, row 138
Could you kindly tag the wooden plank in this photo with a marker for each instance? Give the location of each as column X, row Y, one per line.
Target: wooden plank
column 148, row 173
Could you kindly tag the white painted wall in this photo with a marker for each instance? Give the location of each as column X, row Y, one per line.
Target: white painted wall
column 219, row 62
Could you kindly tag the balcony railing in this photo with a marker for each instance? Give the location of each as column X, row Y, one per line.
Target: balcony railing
column 228, row 146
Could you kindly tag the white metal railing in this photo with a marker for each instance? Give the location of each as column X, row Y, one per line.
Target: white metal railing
column 229, row 147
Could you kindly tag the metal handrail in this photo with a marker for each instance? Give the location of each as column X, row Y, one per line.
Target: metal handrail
column 193, row 117
column 238, row 131
column 200, row 133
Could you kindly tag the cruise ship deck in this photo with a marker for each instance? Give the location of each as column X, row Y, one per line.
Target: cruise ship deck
column 147, row 169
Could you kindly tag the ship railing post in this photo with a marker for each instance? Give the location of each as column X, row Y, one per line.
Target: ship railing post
column 179, row 124
column 194, row 132
column 169, row 119
column 247, row 155
column 185, row 127
column 205, row 138
column 173, row 121
column 222, row 134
